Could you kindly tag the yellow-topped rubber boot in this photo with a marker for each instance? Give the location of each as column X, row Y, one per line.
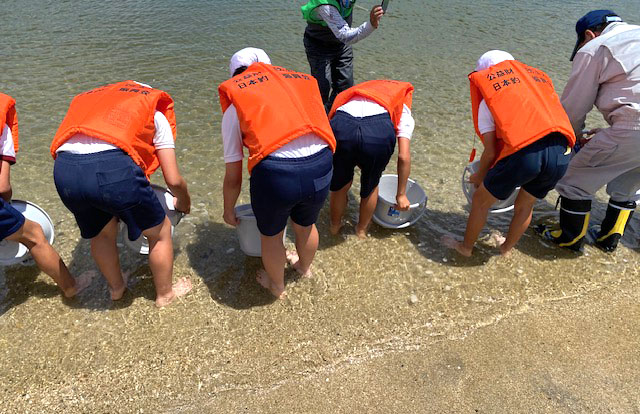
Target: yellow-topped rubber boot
column 618, row 215
column 574, row 221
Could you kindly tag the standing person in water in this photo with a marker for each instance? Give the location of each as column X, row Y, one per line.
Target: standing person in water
column 367, row 119
column 111, row 141
column 13, row 225
column 605, row 73
column 328, row 39
column 278, row 115
column 527, row 141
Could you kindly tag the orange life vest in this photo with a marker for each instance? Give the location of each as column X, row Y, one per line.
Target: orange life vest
column 275, row 106
column 389, row 94
column 523, row 103
column 9, row 116
column 122, row 115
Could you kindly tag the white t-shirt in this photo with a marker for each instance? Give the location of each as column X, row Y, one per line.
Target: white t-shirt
column 6, row 145
column 486, row 122
column 84, row 144
column 360, row 107
column 303, row 146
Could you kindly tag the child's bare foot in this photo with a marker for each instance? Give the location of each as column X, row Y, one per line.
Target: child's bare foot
column 118, row 293
column 294, row 261
column 180, row 288
column 263, row 278
column 361, row 232
column 81, row 283
column 505, row 251
column 334, row 229
column 453, row 243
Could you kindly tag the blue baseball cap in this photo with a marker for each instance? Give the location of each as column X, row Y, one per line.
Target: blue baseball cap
column 590, row 20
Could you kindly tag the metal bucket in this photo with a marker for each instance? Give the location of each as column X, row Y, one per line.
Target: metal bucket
column 248, row 233
column 165, row 197
column 500, row 206
column 386, row 215
column 12, row 252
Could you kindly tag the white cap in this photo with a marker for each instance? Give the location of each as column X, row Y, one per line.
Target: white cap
column 492, row 57
column 247, row 57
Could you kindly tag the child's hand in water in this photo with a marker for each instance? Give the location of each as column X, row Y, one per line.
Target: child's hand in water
column 402, row 202
column 475, row 179
column 230, row 218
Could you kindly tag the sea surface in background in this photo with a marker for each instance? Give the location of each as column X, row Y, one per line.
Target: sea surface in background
column 395, row 290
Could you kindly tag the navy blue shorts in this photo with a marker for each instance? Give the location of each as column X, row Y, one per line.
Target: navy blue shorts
column 97, row 187
column 536, row 168
column 10, row 220
column 367, row 143
column 289, row 187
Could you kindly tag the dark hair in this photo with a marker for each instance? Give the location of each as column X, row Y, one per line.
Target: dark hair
column 239, row 71
column 599, row 28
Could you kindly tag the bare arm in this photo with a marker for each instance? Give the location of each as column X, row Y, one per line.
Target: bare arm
column 175, row 182
column 231, row 191
column 404, row 170
column 5, row 181
column 487, row 159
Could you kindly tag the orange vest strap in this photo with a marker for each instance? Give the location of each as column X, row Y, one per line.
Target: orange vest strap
column 9, row 116
column 275, row 106
column 121, row 114
column 523, row 102
column 390, row 94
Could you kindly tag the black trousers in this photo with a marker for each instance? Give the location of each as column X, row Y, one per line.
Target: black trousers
column 332, row 66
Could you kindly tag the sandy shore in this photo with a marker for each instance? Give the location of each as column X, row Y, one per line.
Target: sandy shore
column 551, row 333
column 575, row 355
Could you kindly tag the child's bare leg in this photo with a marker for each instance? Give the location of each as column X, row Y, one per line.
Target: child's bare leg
column 480, row 205
column 523, row 211
column 338, row 201
column 273, row 259
column 161, row 264
column 367, row 208
column 105, row 254
column 307, row 240
column 47, row 259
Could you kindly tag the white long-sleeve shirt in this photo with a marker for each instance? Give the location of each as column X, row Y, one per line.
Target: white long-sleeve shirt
column 340, row 28
column 606, row 73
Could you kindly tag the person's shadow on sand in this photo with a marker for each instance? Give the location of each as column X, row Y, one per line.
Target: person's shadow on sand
column 227, row 272
column 135, row 267
column 18, row 283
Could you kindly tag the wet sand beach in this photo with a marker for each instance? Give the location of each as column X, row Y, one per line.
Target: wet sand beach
column 394, row 323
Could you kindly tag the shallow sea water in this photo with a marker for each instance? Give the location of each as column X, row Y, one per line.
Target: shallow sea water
column 397, row 290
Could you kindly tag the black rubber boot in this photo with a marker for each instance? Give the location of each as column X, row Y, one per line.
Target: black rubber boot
column 574, row 221
column 618, row 215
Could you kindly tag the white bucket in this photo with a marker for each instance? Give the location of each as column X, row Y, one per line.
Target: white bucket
column 500, row 206
column 248, row 233
column 386, row 215
column 165, row 197
column 13, row 252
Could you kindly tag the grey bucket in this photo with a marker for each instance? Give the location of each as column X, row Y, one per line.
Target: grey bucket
column 248, row 233
column 500, row 206
column 13, row 252
column 386, row 215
